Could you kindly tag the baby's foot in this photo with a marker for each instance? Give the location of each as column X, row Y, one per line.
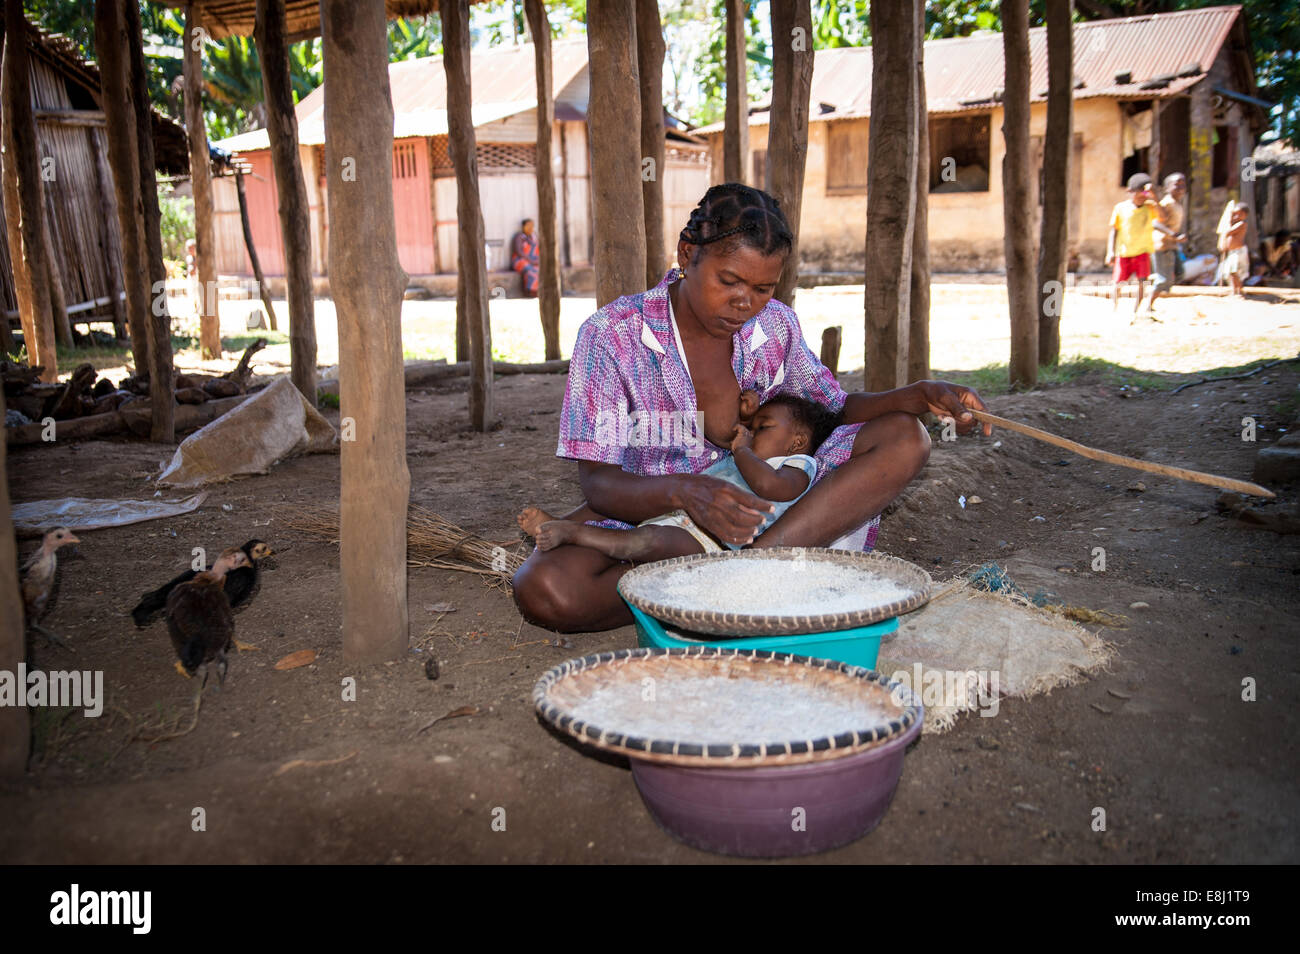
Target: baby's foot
column 530, row 518
column 554, row 533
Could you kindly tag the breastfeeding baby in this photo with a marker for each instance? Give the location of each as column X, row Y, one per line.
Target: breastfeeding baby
column 771, row 458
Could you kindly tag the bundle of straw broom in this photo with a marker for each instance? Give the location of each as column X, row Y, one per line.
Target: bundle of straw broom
column 431, row 540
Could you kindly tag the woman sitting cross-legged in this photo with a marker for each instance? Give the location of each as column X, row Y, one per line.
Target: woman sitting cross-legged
column 678, row 357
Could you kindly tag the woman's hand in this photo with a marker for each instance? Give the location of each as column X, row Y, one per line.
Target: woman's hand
column 950, row 402
column 729, row 513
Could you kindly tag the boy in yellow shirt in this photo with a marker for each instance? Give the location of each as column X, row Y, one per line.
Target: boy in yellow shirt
column 1130, row 242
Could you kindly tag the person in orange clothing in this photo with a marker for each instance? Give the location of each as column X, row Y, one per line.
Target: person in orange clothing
column 1130, row 242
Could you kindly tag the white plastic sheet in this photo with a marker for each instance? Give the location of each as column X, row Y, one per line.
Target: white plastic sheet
column 85, row 513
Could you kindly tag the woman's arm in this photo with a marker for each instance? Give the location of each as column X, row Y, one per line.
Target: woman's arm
column 729, row 513
column 936, row 397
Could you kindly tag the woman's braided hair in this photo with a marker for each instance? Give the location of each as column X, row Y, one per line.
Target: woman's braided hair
column 737, row 215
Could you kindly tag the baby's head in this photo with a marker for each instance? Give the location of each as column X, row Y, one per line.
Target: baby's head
column 788, row 424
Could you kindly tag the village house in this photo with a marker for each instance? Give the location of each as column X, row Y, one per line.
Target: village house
column 80, row 207
column 424, row 183
column 1173, row 92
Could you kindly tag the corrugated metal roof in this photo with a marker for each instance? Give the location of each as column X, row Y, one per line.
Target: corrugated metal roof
column 964, row 73
column 502, row 80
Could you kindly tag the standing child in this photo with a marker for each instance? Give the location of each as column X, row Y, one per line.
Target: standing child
column 1129, row 243
column 1232, row 245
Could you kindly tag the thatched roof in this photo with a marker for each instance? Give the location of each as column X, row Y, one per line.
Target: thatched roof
column 171, row 149
column 223, row 18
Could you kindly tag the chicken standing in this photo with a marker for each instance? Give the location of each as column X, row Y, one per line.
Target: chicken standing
column 241, row 585
column 200, row 621
column 38, row 580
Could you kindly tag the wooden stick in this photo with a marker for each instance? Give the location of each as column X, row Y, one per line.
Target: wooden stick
column 1181, row 473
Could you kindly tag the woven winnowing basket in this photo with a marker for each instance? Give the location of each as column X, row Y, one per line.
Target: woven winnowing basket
column 638, row 587
column 560, row 690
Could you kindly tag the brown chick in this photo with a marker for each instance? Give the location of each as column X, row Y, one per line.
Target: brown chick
column 38, row 581
column 200, row 620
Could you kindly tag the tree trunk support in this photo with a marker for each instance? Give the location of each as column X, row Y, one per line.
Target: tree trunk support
column 205, row 242
column 295, row 220
column 368, row 283
column 548, row 289
column 618, row 225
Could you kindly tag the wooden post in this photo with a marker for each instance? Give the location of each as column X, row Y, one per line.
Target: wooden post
column 14, row 236
column 650, row 50
column 1202, row 220
column 161, row 393
column 830, row 356
column 58, row 303
column 112, row 255
column 918, row 324
column 367, row 283
column 20, row 148
column 262, row 290
column 787, row 145
column 1054, row 240
column 618, row 225
column 119, row 133
column 205, row 241
column 1245, row 149
column 1155, row 152
column 1018, row 197
column 891, row 194
column 471, row 299
column 295, row 220
column 548, row 289
column 15, row 733
column 735, row 133
column 567, row 257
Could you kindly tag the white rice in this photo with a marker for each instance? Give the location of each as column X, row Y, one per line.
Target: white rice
column 719, row 709
column 771, row 587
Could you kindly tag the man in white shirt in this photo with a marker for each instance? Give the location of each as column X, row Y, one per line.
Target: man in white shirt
column 1169, row 234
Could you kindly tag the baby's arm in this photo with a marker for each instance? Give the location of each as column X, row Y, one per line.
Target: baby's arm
column 779, row 484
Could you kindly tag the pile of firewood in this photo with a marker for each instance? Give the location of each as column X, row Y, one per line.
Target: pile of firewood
column 29, row 401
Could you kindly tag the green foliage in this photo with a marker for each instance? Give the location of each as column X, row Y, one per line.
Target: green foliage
column 177, row 223
column 412, row 37
column 840, row 23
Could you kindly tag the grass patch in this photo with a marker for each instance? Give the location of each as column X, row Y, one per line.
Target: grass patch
column 993, row 378
column 102, row 356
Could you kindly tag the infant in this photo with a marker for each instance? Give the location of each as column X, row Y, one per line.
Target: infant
column 771, row 458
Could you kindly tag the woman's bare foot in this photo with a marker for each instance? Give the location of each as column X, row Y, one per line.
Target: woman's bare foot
column 531, row 518
column 554, row 533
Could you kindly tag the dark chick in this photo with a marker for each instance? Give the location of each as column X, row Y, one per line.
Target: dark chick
column 241, row 585
column 38, row 580
column 200, row 621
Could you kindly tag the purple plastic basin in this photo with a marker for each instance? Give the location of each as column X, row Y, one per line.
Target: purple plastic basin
column 755, row 812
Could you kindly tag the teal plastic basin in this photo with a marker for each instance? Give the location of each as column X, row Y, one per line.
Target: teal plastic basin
column 856, row 647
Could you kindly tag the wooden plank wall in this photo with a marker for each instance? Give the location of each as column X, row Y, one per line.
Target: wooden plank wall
column 86, row 245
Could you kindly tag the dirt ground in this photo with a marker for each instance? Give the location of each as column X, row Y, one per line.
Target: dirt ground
column 285, row 770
